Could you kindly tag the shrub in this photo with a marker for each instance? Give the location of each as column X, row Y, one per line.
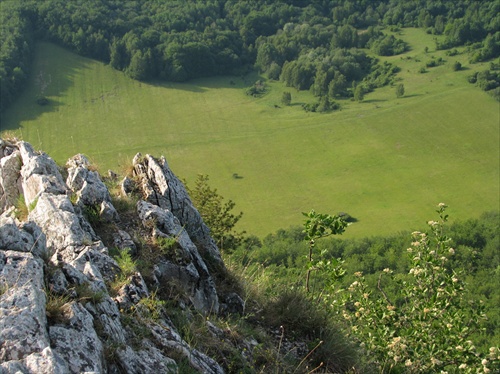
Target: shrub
column 456, row 66
column 429, row 329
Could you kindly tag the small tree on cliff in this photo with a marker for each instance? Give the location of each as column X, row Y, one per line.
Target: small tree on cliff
column 216, row 213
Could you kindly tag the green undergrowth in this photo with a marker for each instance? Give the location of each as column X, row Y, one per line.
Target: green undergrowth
column 281, row 260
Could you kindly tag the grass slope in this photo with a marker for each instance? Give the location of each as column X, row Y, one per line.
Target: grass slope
column 385, row 161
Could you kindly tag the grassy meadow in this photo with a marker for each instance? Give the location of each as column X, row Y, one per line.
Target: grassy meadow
column 385, row 161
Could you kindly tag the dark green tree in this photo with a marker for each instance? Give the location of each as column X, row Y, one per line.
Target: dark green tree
column 118, row 55
column 139, row 66
column 337, row 86
column 456, row 66
column 286, row 98
column 359, row 93
column 400, row 90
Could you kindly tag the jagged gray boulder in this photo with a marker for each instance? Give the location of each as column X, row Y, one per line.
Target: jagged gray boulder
column 39, row 174
column 23, row 300
column 89, row 188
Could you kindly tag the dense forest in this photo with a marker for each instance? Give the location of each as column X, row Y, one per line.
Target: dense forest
column 326, row 46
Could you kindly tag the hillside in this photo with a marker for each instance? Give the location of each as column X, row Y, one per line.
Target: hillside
column 377, row 160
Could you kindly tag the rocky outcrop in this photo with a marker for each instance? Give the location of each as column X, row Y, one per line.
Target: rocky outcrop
column 66, row 305
column 162, row 188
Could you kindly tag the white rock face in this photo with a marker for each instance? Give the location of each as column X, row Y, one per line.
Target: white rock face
column 39, row 174
column 59, row 312
column 10, row 167
column 22, row 306
column 89, row 188
column 162, row 188
column 190, row 268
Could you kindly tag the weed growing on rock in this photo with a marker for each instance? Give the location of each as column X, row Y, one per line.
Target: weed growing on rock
column 86, row 293
column 21, row 212
column 3, row 288
column 127, row 265
column 150, row 308
column 92, row 214
column 166, row 245
column 56, row 307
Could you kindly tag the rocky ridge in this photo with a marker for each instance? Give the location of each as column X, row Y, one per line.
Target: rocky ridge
column 66, row 304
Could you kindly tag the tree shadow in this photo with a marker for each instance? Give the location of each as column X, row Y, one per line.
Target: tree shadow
column 374, row 101
column 182, row 86
column 200, row 85
column 408, row 96
column 52, row 73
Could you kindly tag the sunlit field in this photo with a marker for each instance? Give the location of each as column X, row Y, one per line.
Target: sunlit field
column 385, row 161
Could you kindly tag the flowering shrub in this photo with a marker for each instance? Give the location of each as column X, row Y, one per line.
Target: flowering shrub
column 428, row 328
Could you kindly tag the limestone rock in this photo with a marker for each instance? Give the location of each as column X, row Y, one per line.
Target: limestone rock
column 122, row 240
column 234, row 304
column 148, row 360
column 162, row 188
column 86, row 354
column 60, row 308
column 170, row 340
column 10, row 168
column 28, row 238
column 128, row 186
column 89, row 188
column 191, row 271
column 39, row 174
column 132, row 292
column 57, row 218
column 22, row 306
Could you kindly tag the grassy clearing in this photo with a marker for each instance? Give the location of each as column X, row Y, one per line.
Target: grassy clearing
column 385, row 161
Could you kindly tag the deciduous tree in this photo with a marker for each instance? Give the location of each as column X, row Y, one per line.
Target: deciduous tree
column 216, row 213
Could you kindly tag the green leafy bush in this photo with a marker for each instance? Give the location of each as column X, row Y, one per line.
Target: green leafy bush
column 429, row 327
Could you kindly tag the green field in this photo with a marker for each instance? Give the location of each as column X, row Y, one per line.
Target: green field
column 385, row 161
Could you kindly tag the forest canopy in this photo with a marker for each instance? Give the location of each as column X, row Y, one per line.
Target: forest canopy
column 319, row 44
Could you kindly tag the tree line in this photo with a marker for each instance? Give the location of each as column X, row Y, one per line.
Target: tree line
column 307, row 44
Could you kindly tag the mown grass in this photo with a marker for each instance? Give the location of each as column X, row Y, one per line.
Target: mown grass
column 384, row 161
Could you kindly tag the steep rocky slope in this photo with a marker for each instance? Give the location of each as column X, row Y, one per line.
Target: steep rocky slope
column 66, row 304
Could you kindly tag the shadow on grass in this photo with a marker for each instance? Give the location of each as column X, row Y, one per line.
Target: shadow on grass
column 374, row 101
column 185, row 86
column 408, row 96
column 200, row 85
column 52, row 74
